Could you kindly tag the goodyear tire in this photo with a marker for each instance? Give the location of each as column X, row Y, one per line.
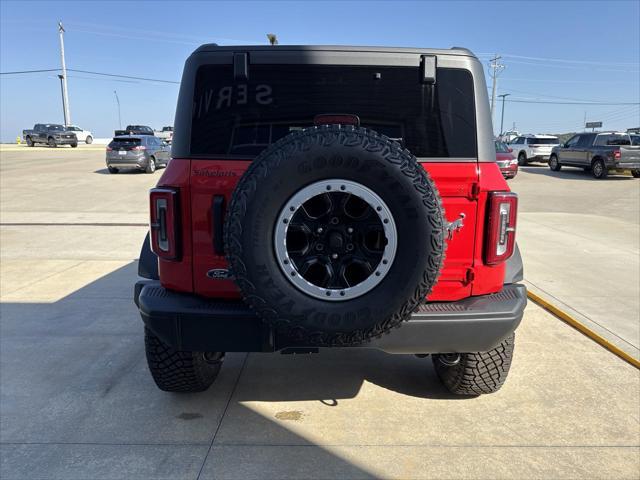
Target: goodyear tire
column 180, row 371
column 476, row 373
column 335, row 235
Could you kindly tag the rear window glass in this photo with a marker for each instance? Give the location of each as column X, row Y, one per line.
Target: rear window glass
column 543, row 141
column 613, row 139
column 124, row 142
column 243, row 118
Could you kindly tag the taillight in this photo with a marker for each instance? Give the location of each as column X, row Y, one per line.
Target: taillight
column 164, row 223
column 616, row 154
column 109, row 149
column 500, row 238
column 139, row 147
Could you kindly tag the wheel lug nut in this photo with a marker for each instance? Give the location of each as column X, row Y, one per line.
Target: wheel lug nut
column 350, row 230
column 320, row 230
column 334, row 255
column 319, row 247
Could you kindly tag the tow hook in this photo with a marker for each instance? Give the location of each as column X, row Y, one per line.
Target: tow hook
column 455, row 226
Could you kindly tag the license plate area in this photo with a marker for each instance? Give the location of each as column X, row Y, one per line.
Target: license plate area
column 122, row 152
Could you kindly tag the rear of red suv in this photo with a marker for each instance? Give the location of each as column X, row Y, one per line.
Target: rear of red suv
column 332, row 197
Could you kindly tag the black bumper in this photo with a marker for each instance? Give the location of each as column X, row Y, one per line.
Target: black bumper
column 190, row 322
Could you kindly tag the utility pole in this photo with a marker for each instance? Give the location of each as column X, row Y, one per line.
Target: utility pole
column 502, row 116
column 65, row 95
column 496, row 68
column 118, row 102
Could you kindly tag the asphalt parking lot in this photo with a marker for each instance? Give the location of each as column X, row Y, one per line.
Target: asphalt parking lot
column 77, row 402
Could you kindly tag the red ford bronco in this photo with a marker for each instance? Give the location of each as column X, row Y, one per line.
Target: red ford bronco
column 331, row 197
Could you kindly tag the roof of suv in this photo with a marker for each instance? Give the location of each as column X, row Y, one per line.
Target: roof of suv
column 533, row 135
column 213, row 47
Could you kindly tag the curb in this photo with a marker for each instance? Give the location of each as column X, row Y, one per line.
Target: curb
column 565, row 317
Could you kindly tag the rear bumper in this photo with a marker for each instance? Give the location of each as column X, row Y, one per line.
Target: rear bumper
column 540, row 158
column 127, row 161
column 626, row 166
column 190, row 322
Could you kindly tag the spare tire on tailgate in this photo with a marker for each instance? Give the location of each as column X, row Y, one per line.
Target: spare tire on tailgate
column 335, row 234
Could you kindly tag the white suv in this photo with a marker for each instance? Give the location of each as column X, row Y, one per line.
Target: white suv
column 83, row 135
column 528, row 148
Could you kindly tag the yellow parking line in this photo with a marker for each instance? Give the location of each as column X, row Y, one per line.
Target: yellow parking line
column 565, row 317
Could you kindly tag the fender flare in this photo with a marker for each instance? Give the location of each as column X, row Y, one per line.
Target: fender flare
column 148, row 262
column 515, row 270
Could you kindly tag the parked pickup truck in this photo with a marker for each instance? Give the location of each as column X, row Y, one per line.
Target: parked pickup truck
column 51, row 134
column 165, row 134
column 598, row 153
column 134, row 130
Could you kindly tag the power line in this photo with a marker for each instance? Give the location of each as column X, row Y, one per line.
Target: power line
column 130, row 77
column 30, row 71
column 123, row 76
column 573, row 103
column 564, row 60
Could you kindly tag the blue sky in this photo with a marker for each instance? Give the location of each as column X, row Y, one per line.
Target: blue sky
column 553, row 52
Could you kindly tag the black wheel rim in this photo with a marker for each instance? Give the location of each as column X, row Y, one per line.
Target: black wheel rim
column 335, row 240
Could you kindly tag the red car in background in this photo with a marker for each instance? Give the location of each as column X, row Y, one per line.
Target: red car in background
column 506, row 161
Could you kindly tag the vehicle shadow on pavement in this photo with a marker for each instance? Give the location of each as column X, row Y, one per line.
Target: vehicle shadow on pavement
column 105, row 171
column 568, row 173
column 75, row 388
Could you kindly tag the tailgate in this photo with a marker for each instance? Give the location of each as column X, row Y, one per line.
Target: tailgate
column 629, row 154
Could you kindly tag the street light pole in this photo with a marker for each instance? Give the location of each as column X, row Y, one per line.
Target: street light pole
column 118, row 102
column 63, row 78
column 502, row 117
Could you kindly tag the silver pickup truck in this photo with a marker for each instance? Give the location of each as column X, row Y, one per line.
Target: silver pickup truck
column 599, row 153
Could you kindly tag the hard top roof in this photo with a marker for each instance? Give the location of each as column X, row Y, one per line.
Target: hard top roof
column 213, row 47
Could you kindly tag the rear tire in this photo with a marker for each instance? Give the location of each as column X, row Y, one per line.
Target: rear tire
column 476, row 373
column 554, row 164
column 599, row 169
column 112, row 170
column 635, row 173
column 522, row 159
column 88, row 140
column 151, row 166
column 52, row 142
column 176, row 371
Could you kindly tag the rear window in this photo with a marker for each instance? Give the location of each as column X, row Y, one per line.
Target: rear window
column 124, row 142
column 242, row 118
column 612, row 139
column 543, row 141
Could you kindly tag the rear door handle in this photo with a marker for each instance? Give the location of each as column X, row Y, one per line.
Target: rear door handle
column 217, row 221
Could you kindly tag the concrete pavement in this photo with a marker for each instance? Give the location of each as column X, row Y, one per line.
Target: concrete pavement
column 580, row 239
column 77, row 401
